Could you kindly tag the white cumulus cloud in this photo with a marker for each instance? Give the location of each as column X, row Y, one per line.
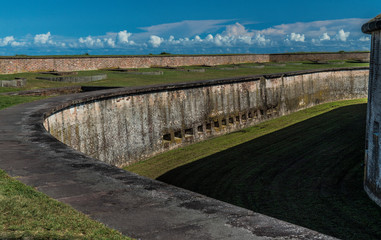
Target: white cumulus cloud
column 123, row 37
column 10, row 41
column 155, row 41
column 91, row 42
column 43, row 38
column 297, row 37
column 342, row 35
column 325, row 37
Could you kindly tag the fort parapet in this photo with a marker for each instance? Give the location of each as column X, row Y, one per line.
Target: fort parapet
column 62, row 64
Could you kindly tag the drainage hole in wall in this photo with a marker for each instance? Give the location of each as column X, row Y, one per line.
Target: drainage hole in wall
column 216, row 123
column 200, row 129
column 188, row 132
column 167, row 137
column 178, row 134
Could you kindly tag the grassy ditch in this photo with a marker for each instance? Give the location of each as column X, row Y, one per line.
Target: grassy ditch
column 305, row 168
column 28, row 214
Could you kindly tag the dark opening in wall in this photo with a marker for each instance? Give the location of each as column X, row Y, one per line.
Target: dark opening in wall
column 208, row 126
column 216, row 123
column 261, row 111
column 223, row 122
column 237, row 118
column 167, row 137
column 200, row 129
column 189, row 131
column 243, row 117
column 178, row 134
column 250, row 115
column 231, row 120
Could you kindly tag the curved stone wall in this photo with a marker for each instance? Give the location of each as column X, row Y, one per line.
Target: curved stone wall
column 124, row 126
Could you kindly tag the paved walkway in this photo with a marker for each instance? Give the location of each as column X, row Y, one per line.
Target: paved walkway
column 134, row 205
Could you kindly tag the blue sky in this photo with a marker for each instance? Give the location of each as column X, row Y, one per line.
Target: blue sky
column 43, row 27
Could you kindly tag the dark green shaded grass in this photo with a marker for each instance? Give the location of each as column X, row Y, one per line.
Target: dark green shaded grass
column 309, row 174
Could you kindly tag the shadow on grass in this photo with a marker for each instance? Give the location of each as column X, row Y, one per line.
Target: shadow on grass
column 309, row 174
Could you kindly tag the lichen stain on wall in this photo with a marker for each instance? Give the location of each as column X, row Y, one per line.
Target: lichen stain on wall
column 128, row 128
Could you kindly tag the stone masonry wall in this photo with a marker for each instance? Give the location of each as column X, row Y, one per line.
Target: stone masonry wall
column 133, row 124
column 35, row 64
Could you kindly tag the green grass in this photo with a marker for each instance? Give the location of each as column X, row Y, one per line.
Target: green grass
column 305, row 168
column 28, row 214
column 7, row 101
column 170, row 76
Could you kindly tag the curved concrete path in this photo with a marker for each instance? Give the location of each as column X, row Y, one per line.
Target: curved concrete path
column 134, row 205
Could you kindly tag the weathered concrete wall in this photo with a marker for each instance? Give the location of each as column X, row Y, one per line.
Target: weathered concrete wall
column 81, row 79
column 13, row 83
column 134, row 124
column 34, row 64
column 372, row 178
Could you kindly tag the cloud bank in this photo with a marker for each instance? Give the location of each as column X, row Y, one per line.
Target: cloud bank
column 198, row 37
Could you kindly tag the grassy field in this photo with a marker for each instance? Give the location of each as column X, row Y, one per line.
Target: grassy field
column 305, row 168
column 29, row 214
column 172, row 76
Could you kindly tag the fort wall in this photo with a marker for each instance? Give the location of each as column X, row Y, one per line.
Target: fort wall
column 34, row 64
column 122, row 126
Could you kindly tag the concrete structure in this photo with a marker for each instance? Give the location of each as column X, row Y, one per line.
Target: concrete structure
column 79, row 79
column 372, row 179
column 122, row 127
column 10, row 65
column 145, row 208
column 13, row 83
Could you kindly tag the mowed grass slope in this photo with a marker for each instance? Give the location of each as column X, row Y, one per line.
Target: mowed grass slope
column 305, row 168
column 28, row 214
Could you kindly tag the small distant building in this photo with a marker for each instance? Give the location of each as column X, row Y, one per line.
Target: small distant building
column 372, row 178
